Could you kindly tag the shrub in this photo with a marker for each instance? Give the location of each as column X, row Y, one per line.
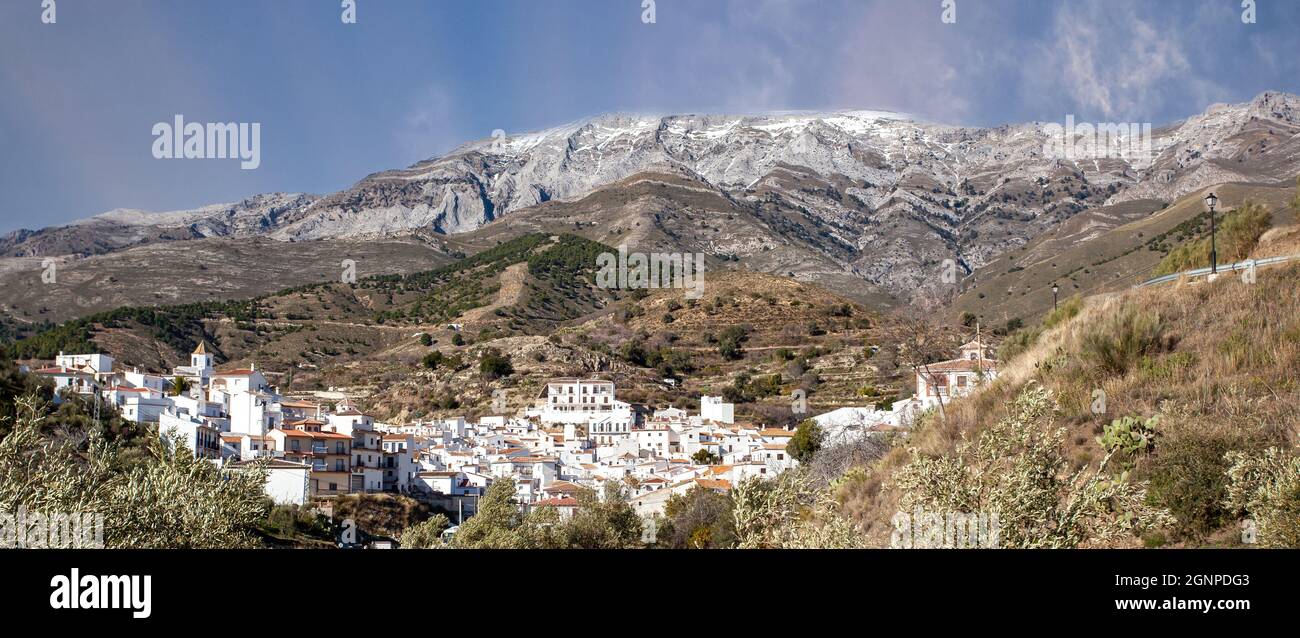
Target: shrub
column 806, row 441
column 699, row 519
column 426, row 534
column 1266, row 487
column 787, row 512
column 1128, row 436
column 1016, row 470
column 1237, row 236
column 1121, row 340
column 1188, row 476
column 493, row 365
column 168, row 500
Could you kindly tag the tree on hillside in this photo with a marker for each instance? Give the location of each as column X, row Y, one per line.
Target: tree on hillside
column 806, row 441
column 730, row 342
column 920, row 342
column 493, row 365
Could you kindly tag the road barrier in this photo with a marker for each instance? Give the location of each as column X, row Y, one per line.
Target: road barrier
column 1201, row 272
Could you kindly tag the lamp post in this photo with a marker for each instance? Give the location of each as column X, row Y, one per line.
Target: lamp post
column 1211, row 201
column 1055, row 289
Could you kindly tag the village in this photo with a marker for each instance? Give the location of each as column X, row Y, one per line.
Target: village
column 576, row 435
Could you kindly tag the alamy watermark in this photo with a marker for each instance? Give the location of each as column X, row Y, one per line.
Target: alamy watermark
column 59, row 530
column 630, row 271
column 1103, row 140
column 921, row 529
column 213, row 140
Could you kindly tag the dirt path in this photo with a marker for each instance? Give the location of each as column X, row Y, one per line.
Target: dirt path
column 510, row 293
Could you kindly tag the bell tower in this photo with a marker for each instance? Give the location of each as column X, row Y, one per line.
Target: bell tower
column 200, row 359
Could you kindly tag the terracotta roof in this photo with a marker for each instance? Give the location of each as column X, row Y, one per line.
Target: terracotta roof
column 565, row 501
column 202, row 349
column 714, row 484
column 960, row 365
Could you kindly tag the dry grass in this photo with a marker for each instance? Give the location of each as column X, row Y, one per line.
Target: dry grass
column 1216, row 361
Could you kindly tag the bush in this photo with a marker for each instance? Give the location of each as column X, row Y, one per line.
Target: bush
column 1237, row 236
column 1016, row 470
column 1266, row 487
column 805, row 443
column 168, row 500
column 425, row 535
column 699, row 519
column 1188, row 477
column 493, row 365
column 1119, row 341
column 1128, row 437
column 730, row 341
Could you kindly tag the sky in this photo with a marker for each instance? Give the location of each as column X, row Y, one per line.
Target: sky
column 412, row 79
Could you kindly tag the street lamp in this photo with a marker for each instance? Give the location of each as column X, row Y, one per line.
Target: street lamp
column 1211, row 201
column 1055, row 289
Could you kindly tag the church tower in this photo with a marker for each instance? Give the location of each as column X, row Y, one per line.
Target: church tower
column 200, row 359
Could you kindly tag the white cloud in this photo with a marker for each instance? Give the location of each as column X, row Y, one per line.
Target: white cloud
column 1105, row 59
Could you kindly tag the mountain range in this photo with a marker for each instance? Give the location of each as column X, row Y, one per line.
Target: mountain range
column 869, row 204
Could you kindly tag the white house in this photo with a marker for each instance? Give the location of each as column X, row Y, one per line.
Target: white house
column 715, row 409
column 286, row 481
column 98, row 363
column 946, row 380
column 584, row 402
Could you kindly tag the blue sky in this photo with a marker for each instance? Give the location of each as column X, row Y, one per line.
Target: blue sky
column 414, row 78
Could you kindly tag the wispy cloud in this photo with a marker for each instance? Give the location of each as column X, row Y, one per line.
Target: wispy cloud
column 431, row 126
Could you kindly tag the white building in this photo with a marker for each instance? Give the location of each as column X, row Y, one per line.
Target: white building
column 200, row 367
column 98, row 363
column 946, row 380
column 287, row 482
column 715, row 409
column 585, row 402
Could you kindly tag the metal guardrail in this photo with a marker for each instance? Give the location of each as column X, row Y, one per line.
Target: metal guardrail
column 1201, row 272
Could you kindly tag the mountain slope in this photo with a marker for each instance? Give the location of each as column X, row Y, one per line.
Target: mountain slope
column 1213, row 363
column 850, row 199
